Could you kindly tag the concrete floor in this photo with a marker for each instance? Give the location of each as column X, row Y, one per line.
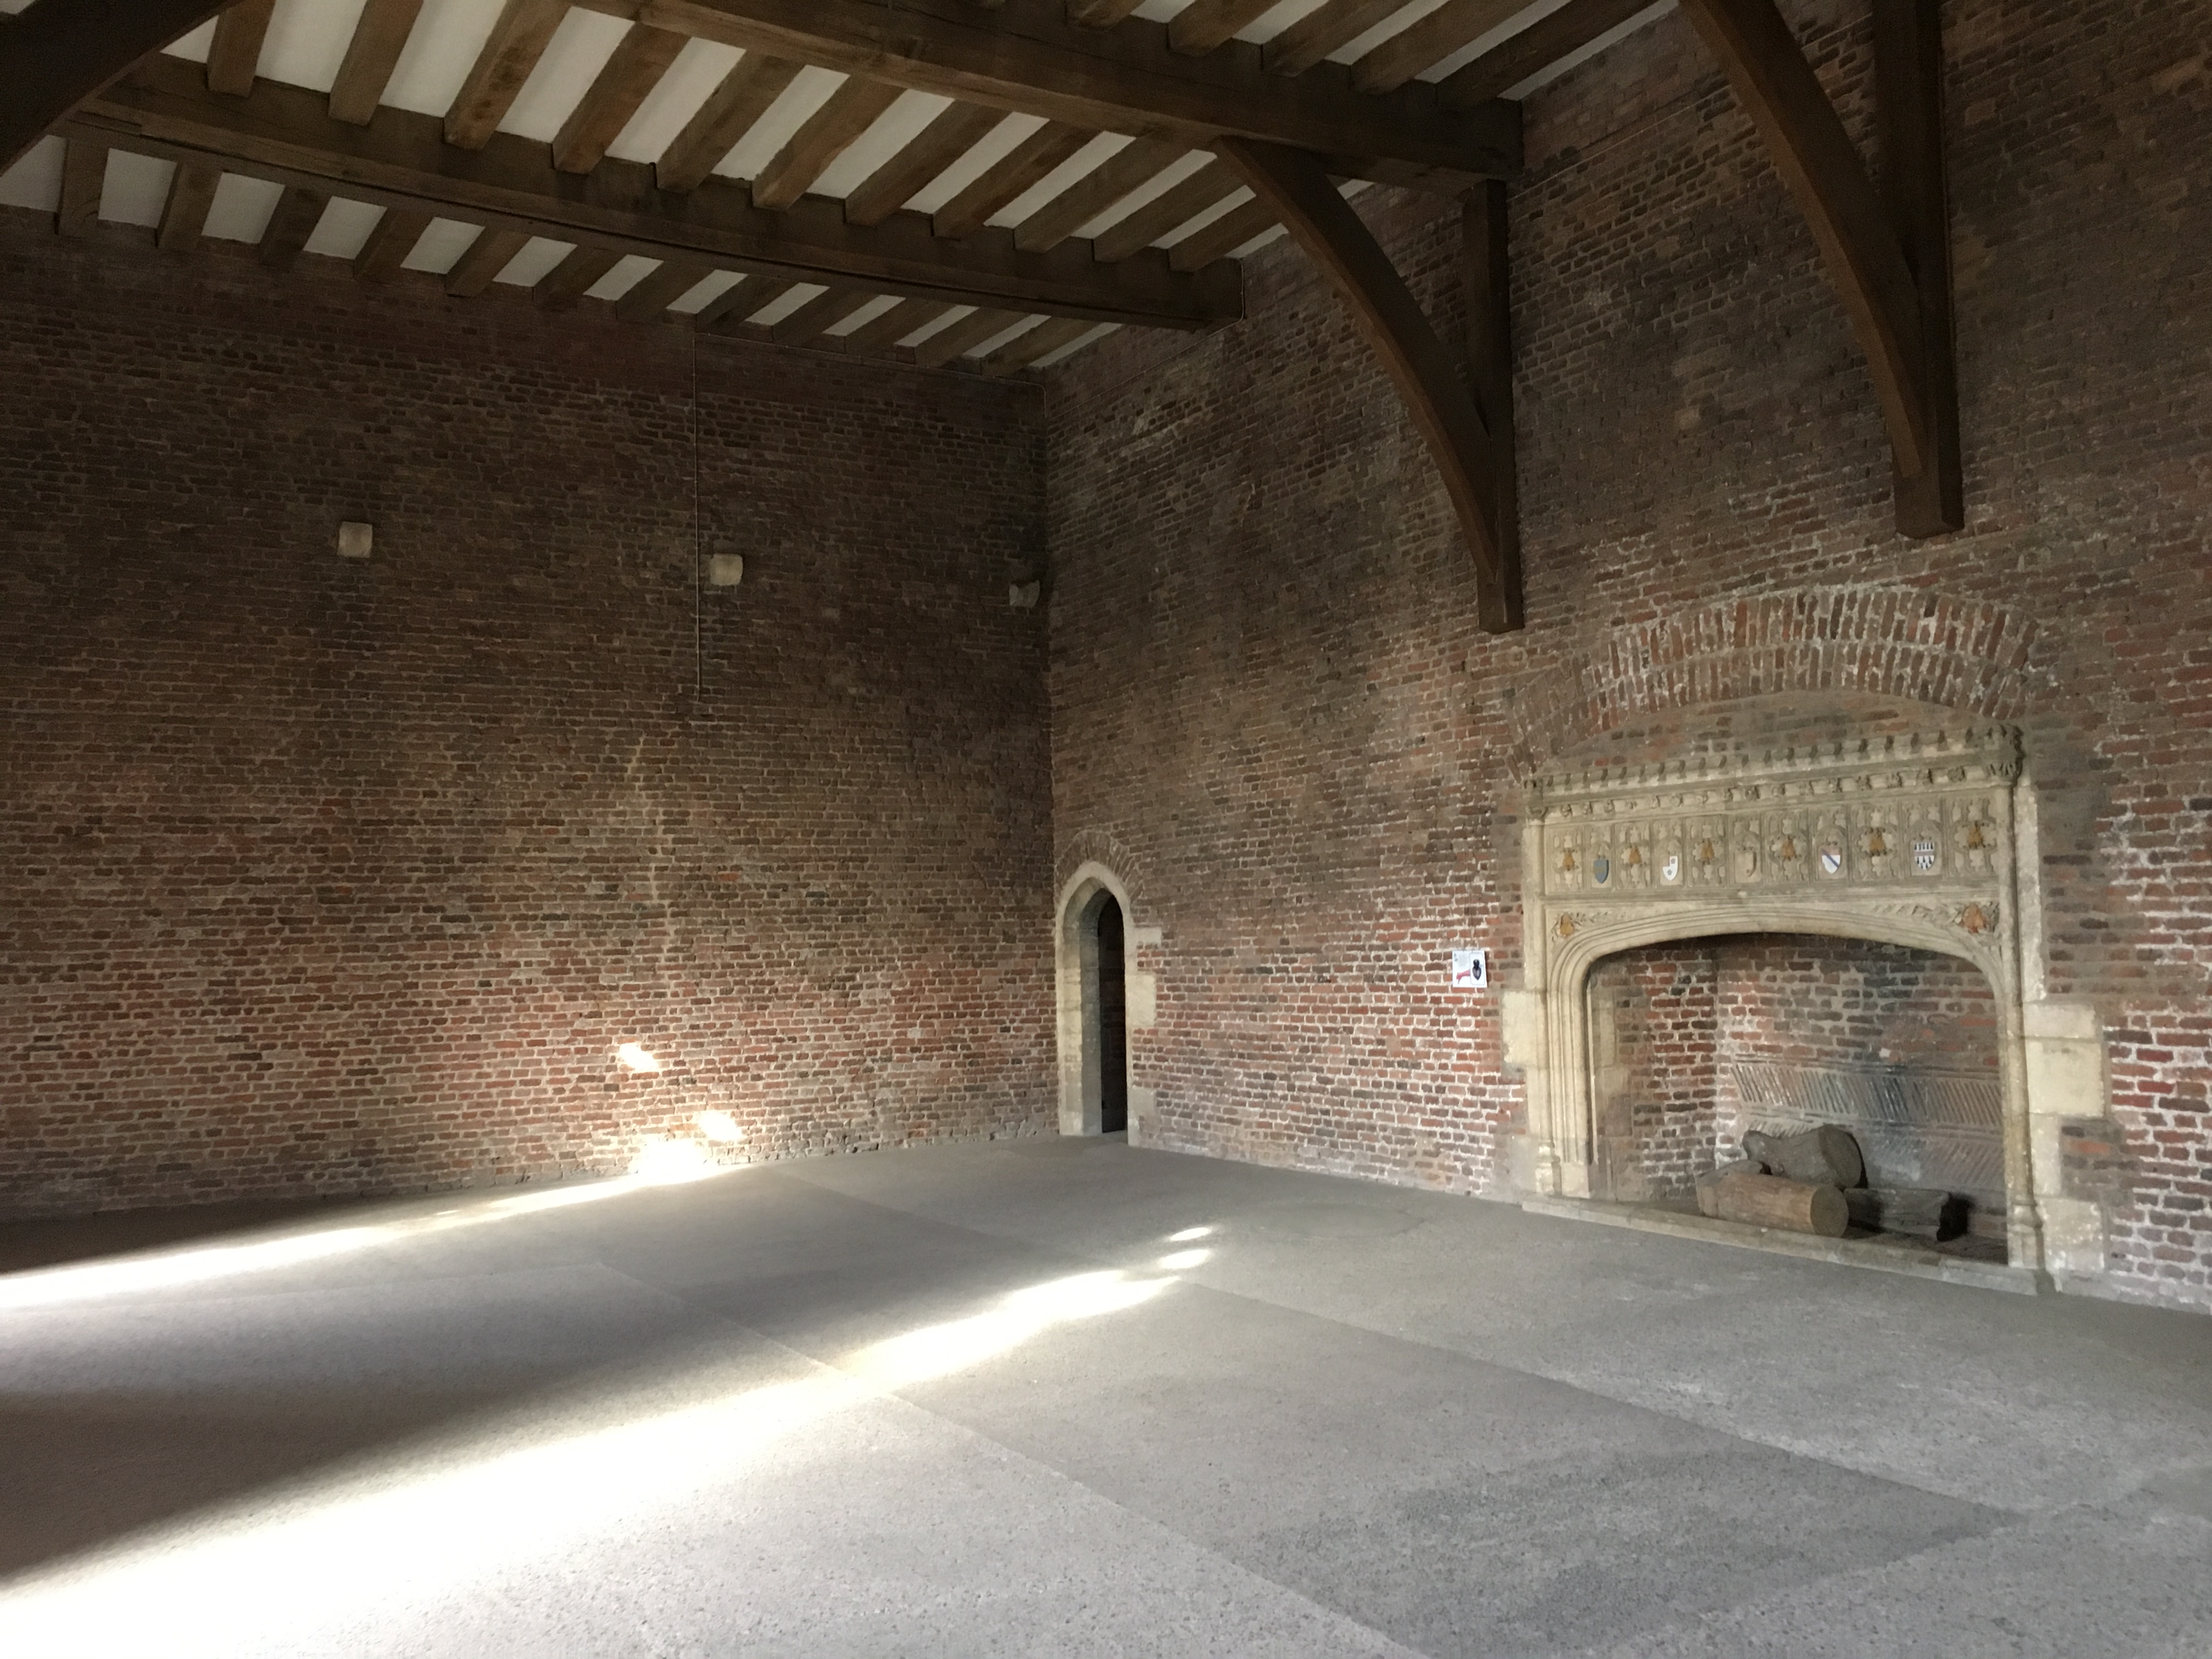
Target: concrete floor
column 984, row 1399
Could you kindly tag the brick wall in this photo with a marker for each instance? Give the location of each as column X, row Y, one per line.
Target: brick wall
column 1653, row 1024
column 1815, row 1001
column 1269, row 695
column 322, row 876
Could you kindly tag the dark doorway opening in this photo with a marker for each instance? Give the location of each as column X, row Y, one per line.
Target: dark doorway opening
column 1113, row 1022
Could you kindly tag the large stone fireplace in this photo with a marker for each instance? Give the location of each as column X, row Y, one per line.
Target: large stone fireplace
column 1825, row 932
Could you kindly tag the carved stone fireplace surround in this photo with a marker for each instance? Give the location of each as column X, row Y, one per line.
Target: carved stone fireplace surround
column 1908, row 840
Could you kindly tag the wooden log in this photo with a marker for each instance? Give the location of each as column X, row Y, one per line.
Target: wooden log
column 1825, row 1156
column 1920, row 1211
column 1797, row 1206
column 1708, row 1195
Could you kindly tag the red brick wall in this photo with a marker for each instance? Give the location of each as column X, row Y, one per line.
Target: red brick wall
column 1654, row 1022
column 319, row 876
column 1817, row 1001
column 1269, row 695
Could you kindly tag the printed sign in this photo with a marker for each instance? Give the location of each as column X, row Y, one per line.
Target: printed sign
column 1470, row 970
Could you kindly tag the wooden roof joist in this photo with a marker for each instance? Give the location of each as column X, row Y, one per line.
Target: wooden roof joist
column 400, row 159
column 1028, row 55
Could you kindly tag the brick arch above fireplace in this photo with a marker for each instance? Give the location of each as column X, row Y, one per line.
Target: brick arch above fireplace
column 1970, row 656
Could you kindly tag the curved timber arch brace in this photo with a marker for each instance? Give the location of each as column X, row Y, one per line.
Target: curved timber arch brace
column 59, row 53
column 1469, row 433
column 1888, row 249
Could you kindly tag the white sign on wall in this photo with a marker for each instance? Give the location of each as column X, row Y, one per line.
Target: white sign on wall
column 1470, row 970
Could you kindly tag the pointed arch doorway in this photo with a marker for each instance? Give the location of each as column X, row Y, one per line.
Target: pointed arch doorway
column 1101, row 998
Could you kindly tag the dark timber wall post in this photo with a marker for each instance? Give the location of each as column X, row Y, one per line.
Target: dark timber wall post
column 1888, row 250
column 1297, row 187
column 1486, row 287
column 1908, row 66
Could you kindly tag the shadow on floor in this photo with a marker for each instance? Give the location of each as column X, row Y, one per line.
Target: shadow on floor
column 82, row 1472
column 51, row 1240
column 82, row 1469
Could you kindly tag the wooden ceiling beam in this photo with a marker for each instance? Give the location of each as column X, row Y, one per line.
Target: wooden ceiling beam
column 489, row 255
column 1178, row 204
column 1431, row 39
column 818, row 315
column 517, row 41
column 1218, row 239
column 729, row 113
column 1902, row 326
column 729, row 309
column 1538, row 46
column 1026, row 56
column 957, row 338
column 881, row 333
column 234, row 55
column 1020, row 170
column 1134, row 164
column 379, row 35
column 383, row 255
column 1301, row 194
column 823, row 137
column 285, row 133
column 290, row 223
column 1100, row 14
column 1203, row 25
column 955, row 131
column 1332, row 24
column 84, row 181
column 660, row 288
column 1025, row 348
column 615, row 93
column 560, row 288
column 192, row 192
column 55, row 56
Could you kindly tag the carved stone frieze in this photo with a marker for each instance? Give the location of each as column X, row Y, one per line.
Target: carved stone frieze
column 1917, row 812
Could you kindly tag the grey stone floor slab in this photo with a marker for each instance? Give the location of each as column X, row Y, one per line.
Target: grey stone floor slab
column 981, row 1400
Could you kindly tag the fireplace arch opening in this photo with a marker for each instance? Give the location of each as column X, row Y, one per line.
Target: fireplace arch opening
column 1695, row 1043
